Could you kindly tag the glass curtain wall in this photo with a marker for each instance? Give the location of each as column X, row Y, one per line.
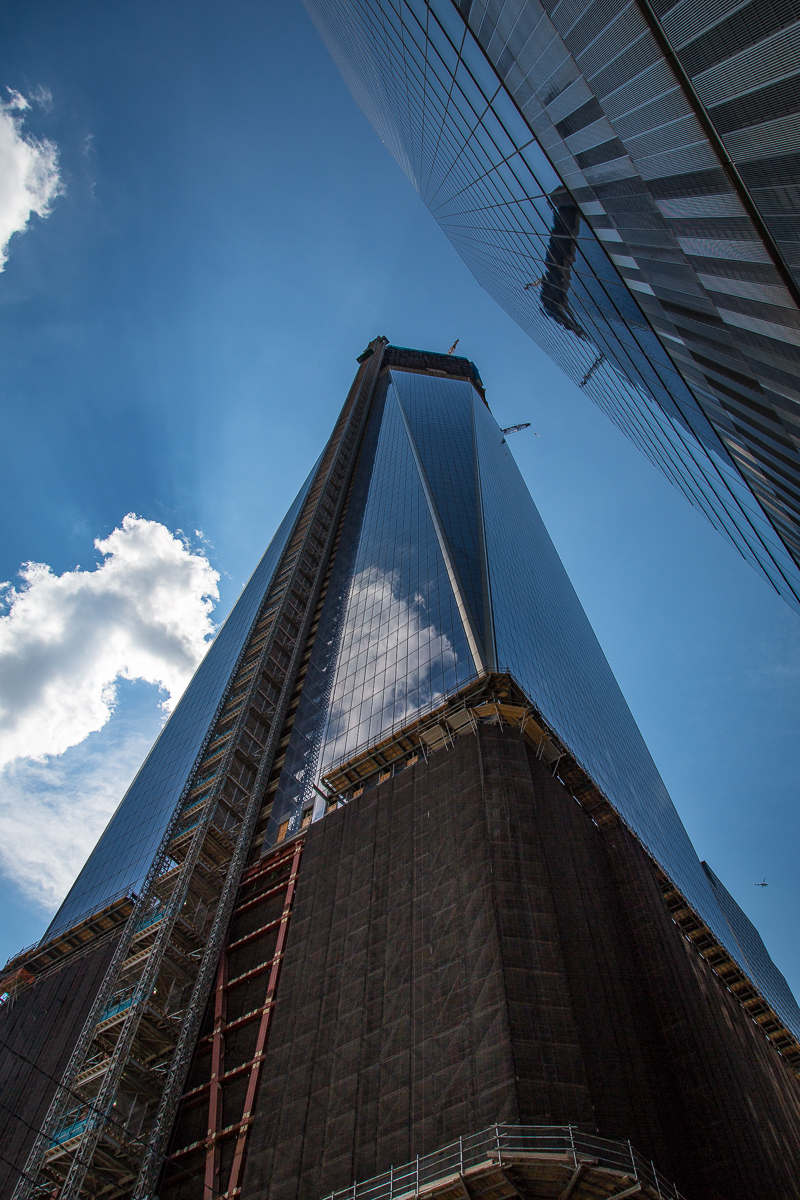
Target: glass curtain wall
column 568, row 168
column 444, row 571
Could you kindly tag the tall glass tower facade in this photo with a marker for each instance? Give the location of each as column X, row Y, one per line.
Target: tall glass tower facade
column 411, row 597
column 622, row 178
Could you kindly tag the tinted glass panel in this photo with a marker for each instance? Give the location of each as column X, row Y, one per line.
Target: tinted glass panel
column 441, row 425
column 391, row 639
column 403, row 644
column 754, row 954
column 301, row 765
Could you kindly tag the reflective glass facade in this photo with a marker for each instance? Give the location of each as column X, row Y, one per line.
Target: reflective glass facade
column 122, row 857
column 391, row 640
column 403, row 645
column 436, row 484
column 752, row 951
column 621, row 177
column 440, row 423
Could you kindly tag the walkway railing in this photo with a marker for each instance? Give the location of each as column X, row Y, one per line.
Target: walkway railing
column 507, row 1140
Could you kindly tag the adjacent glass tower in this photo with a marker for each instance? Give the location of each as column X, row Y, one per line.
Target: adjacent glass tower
column 622, row 178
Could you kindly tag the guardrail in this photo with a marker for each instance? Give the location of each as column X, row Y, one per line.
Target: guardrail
column 498, row 1140
column 70, row 1130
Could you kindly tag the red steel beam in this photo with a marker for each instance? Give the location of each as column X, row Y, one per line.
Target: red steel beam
column 214, row 1087
column 245, row 1019
column 259, row 898
column 251, row 974
column 263, row 1031
column 257, row 933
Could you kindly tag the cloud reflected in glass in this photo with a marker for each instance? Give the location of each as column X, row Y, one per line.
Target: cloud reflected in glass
column 394, row 662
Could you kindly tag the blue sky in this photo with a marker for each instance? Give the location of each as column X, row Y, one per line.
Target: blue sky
column 176, row 339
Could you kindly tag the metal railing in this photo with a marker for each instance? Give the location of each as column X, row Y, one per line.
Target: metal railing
column 507, row 1140
column 117, row 1004
column 147, row 921
column 73, row 1126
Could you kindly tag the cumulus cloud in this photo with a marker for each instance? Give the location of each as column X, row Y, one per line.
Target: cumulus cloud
column 29, row 178
column 143, row 613
column 53, row 812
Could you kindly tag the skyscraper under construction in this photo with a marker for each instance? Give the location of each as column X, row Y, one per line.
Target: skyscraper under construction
column 398, row 903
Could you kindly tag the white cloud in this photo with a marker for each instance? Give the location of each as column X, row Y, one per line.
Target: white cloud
column 53, row 812
column 42, row 96
column 29, row 179
column 143, row 613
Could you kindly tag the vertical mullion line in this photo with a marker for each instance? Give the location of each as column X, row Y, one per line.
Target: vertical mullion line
column 453, row 84
column 463, row 607
column 490, row 641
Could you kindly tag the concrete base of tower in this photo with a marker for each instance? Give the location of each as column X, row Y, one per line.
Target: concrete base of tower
column 469, row 948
